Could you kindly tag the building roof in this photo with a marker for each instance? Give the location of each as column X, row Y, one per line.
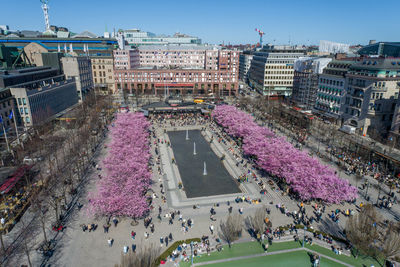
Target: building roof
column 378, row 64
column 179, row 47
column 388, row 49
column 85, row 34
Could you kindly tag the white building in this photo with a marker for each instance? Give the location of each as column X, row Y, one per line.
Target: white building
column 332, row 47
column 271, row 71
column 244, row 65
column 135, row 37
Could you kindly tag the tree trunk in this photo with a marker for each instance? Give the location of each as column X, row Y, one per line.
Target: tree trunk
column 27, row 253
column 3, row 248
column 44, row 230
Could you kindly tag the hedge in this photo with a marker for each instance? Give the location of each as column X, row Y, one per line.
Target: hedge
column 171, row 248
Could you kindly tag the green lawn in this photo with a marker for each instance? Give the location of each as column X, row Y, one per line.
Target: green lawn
column 296, row 258
column 252, row 248
column 360, row 261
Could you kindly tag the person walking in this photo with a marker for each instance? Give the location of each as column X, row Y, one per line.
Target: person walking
column 126, row 248
column 110, row 241
column 115, row 221
column 133, row 248
column 166, row 241
column 133, row 235
column 161, row 241
column 212, row 229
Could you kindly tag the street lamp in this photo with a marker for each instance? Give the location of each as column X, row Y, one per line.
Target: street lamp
column 191, row 248
column 366, row 192
column 304, row 236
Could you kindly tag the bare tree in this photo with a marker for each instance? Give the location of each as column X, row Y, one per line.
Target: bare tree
column 256, row 222
column 146, row 257
column 390, row 242
column 361, row 230
column 231, row 229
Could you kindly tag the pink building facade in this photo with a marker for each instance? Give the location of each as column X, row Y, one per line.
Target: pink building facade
column 180, row 71
column 126, row 59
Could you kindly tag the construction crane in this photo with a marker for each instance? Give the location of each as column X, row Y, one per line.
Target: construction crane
column 261, row 33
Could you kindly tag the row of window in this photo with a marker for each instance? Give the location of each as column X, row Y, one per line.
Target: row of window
column 21, row 101
column 102, row 80
column 278, row 67
column 331, row 82
column 6, row 104
column 279, row 78
column 378, row 95
column 278, row 82
column 196, row 86
column 279, row 72
column 23, row 111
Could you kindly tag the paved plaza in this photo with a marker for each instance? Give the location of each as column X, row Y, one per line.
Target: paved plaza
column 78, row 248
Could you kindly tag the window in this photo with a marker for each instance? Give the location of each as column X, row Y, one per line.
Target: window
column 19, row 101
column 21, row 110
column 24, row 100
column 27, row 119
column 26, row 110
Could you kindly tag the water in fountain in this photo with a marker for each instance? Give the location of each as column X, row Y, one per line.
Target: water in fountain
column 205, row 169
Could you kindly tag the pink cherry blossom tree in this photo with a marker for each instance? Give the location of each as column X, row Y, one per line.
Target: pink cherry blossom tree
column 305, row 175
column 122, row 191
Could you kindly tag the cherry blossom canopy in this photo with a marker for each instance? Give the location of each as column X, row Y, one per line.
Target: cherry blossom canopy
column 122, row 191
column 305, row 175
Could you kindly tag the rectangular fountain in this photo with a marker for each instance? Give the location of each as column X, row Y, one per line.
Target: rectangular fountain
column 201, row 171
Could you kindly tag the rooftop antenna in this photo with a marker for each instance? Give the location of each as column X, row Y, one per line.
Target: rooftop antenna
column 45, row 8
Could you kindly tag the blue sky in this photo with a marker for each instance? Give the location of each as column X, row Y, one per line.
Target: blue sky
column 217, row 21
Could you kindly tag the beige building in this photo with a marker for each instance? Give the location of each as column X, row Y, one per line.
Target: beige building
column 79, row 68
column 372, row 89
column 34, row 53
column 103, row 74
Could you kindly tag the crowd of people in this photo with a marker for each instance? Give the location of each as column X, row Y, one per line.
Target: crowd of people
column 175, row 221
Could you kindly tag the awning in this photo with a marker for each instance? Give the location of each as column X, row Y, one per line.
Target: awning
column 12, row 181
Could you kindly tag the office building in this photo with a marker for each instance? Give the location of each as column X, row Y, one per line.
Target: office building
column 372, row 90
column 136, row 38
column 245, row 59
column 305, row 80
column 99, row 50
column 196, row 70
column 79, row 68
column 383, row 49
column 331, row 89
column 40, row 93
column 271, row 71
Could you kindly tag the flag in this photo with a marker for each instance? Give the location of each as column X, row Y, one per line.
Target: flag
column 1, row 119
column 11, row 115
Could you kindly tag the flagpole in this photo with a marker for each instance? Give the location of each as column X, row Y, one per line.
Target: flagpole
column 5, row 135
column 16, row 128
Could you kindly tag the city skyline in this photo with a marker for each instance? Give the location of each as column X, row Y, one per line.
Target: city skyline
column 221, row 22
